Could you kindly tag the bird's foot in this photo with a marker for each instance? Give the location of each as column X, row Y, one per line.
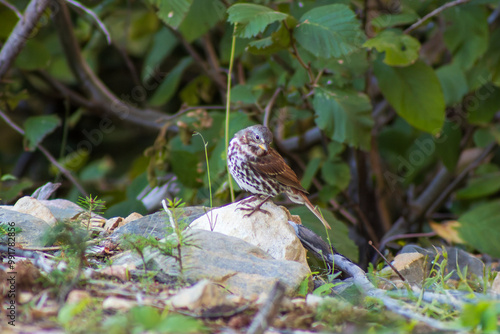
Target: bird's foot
column 254, row 208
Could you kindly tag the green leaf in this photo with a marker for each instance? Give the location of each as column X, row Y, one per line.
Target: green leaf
column 278, row 40
column 147, row 316
column 184, row 165
column 36, row 128
column 483, row 105
column 414, row 92
column 336, row 173
column 481, row 186
column 311, row 170
column 169, row 85
column 466, row 33
column 202, row 16
column 453, row 83
column 329, row 31
column 448, row 144
column 172, row 12
column 34, row 56
column 245, row 94
column 344, row 115
column 479, row 227
column 392, row 20
column 400, row 49
column 164, row 42
column 180, row 324
column 492, row 57
column 252, row 19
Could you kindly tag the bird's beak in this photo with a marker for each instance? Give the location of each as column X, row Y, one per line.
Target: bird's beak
column 263, row 146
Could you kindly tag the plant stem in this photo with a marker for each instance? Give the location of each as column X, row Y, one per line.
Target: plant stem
column 228, row 109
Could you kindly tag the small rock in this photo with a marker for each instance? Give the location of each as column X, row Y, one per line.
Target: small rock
column 35, row 208
column 411, row 266
column 203, row 295
column 313, row 300
column 270, row 232
column 112, row 223
column 75, row 296
column 32, row 228
column 131, row 217
column 62, row 209
column 119, row 304
column 458, row 259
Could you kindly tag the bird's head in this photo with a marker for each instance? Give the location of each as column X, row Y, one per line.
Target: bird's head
column 258, row 138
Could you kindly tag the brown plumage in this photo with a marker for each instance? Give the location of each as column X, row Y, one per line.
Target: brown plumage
column 260, row 170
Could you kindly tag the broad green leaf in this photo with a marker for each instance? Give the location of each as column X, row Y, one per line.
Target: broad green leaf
column 311, row 170
column 453, row 83
column 202, row 16
column 344, row 115
column 492, row 57
column 245, row 94
column 336, row 173
column 479, row 227
column 400, row 49
column 466, row 33
column 172, row 12
column 329, row 31
column 33, row 56
column 338, row 235
column 185, row 166
column 36, row 128
column 169, row 85
column 448, row 144
column 96, row 170
column 414, row 92
column 392, row 20
column 8, row 20
column 180, row 324
column 483, row 104
column 147, row 316
column 278, row 40
column 164, row 42
column 252, row 19
column 481, row 186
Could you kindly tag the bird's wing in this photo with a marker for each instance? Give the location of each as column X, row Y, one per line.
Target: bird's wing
column 275, row 166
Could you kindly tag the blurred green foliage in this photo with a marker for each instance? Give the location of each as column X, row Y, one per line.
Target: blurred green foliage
column 394, row 106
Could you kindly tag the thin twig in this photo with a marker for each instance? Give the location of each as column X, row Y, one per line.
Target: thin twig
column 297, row 55
column 269, row 107
column 47, row 154
column 434, row 13
column 184, row 110
column 447, row 191
column 100, row 24
column 12, row 8
column 22, row 31
column 387, row 261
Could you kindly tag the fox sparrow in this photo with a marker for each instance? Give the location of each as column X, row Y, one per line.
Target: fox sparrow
column 260, row 170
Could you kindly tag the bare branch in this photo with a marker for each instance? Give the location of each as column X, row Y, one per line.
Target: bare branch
column 434, row 13
column 21, row 33
column 12, row 8
column 47, row 154
column 100, row 24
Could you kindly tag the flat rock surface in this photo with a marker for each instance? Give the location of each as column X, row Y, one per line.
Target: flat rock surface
column 156, row 223
column 32, row 228
column 242, row 268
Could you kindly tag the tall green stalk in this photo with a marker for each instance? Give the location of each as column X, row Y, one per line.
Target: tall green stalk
column 228, row 109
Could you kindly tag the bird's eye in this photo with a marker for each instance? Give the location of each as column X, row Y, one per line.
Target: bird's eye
column 257, row 137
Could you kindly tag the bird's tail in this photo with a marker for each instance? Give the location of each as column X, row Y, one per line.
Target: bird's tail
column 313, row 210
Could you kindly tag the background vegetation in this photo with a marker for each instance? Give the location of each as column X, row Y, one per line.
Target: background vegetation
column 387, row 110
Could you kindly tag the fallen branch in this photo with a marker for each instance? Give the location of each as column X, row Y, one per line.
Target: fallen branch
column 267, row 313
column 434, row 13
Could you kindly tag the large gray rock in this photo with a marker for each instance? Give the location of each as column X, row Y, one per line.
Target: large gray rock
column 242, row 268
column 32, row 228
column 270, row 232
column 156, row 223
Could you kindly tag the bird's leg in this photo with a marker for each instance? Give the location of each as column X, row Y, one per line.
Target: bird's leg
column 253, row 209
